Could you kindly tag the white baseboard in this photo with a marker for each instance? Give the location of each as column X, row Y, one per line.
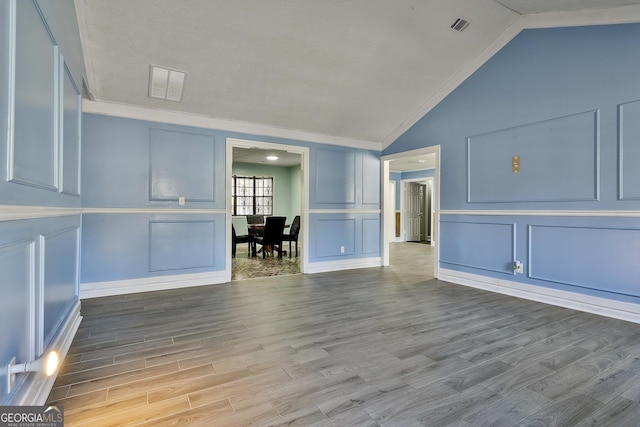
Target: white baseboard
column 601, row 306
column 35, row 390
column 348, row 264
column 148, row 284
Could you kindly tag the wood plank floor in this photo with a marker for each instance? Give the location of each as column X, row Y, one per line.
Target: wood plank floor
column 378, row 346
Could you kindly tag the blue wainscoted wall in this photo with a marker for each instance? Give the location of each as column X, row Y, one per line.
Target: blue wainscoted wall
column 344, row 207
column 357, row 233
column 477, row 236
column 134, row 227
column 135, row 235
column 574, row 142
column 567, row 102
column 590, row 255
column 181, row 164
column 343, row 178
column 40, row 214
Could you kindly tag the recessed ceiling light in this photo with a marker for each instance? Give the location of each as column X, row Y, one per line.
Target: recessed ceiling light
column 165, row 83
column 272, row 158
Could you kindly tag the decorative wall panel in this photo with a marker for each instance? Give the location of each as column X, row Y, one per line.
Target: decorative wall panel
column 591, row 257
column 17, row 308
column 33, row 154
column 629, row 151
column 335, row 177
column 60, row 277
column 558, row 161
column 332, row 234
column 370, row 180
column 371, row 236
column 70, row 147
column 181, row 245
column 181, row 164
column 486, row 246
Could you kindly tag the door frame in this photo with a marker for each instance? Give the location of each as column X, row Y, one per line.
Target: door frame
column 304, row 196
column 384, row 164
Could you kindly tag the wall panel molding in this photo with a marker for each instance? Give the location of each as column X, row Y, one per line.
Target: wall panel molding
column 335, row 177
column 152, row 210
column 344, row 227
column 58, row 278
column 567, row 148
column 18, row 212
column 181, row 164
column 171, row 245
column 32, row 151
column 345, row 211
column 19, row 307
column 371, row 235
column 591, row 257
column 370, row 180
column 577, row 213
column 629, row 150
column 473, row 253
column 70, row 132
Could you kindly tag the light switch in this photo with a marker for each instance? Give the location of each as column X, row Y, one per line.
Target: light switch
column 515, row 164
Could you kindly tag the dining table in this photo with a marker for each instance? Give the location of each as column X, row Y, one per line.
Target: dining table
column 258, row 230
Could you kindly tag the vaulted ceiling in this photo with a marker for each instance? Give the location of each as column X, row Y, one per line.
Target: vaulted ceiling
column 351, row 72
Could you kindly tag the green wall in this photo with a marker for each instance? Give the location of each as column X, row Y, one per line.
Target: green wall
column 287, row 186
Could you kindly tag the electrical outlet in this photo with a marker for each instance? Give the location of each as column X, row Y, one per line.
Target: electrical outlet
column 341, row 249
column 181, row 200
column 518, row 267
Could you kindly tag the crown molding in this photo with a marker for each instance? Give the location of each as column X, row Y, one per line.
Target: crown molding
column 188, row 119
column 618, row 15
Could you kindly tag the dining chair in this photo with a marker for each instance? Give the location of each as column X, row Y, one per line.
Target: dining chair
column 256, row 225
column 240, row 234
column 255, row 219
column 293, row 234
column 271, row 239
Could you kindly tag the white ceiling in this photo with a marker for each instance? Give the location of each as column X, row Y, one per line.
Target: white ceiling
column 358, row 70
column 259, row 155
column 414, row 163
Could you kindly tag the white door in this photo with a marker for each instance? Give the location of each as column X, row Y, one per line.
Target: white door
column 414, row 210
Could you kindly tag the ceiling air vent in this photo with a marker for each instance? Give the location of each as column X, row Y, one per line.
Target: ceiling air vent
column 165, row 83
column 460, row 25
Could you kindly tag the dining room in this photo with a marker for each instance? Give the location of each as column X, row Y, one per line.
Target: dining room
column 266, row 188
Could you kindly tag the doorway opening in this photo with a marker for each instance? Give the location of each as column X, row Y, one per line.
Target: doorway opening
column 411, row 203
column 265, row 180
column 416, row 209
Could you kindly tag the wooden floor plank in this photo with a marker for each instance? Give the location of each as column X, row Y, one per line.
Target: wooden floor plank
column 371, row 347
